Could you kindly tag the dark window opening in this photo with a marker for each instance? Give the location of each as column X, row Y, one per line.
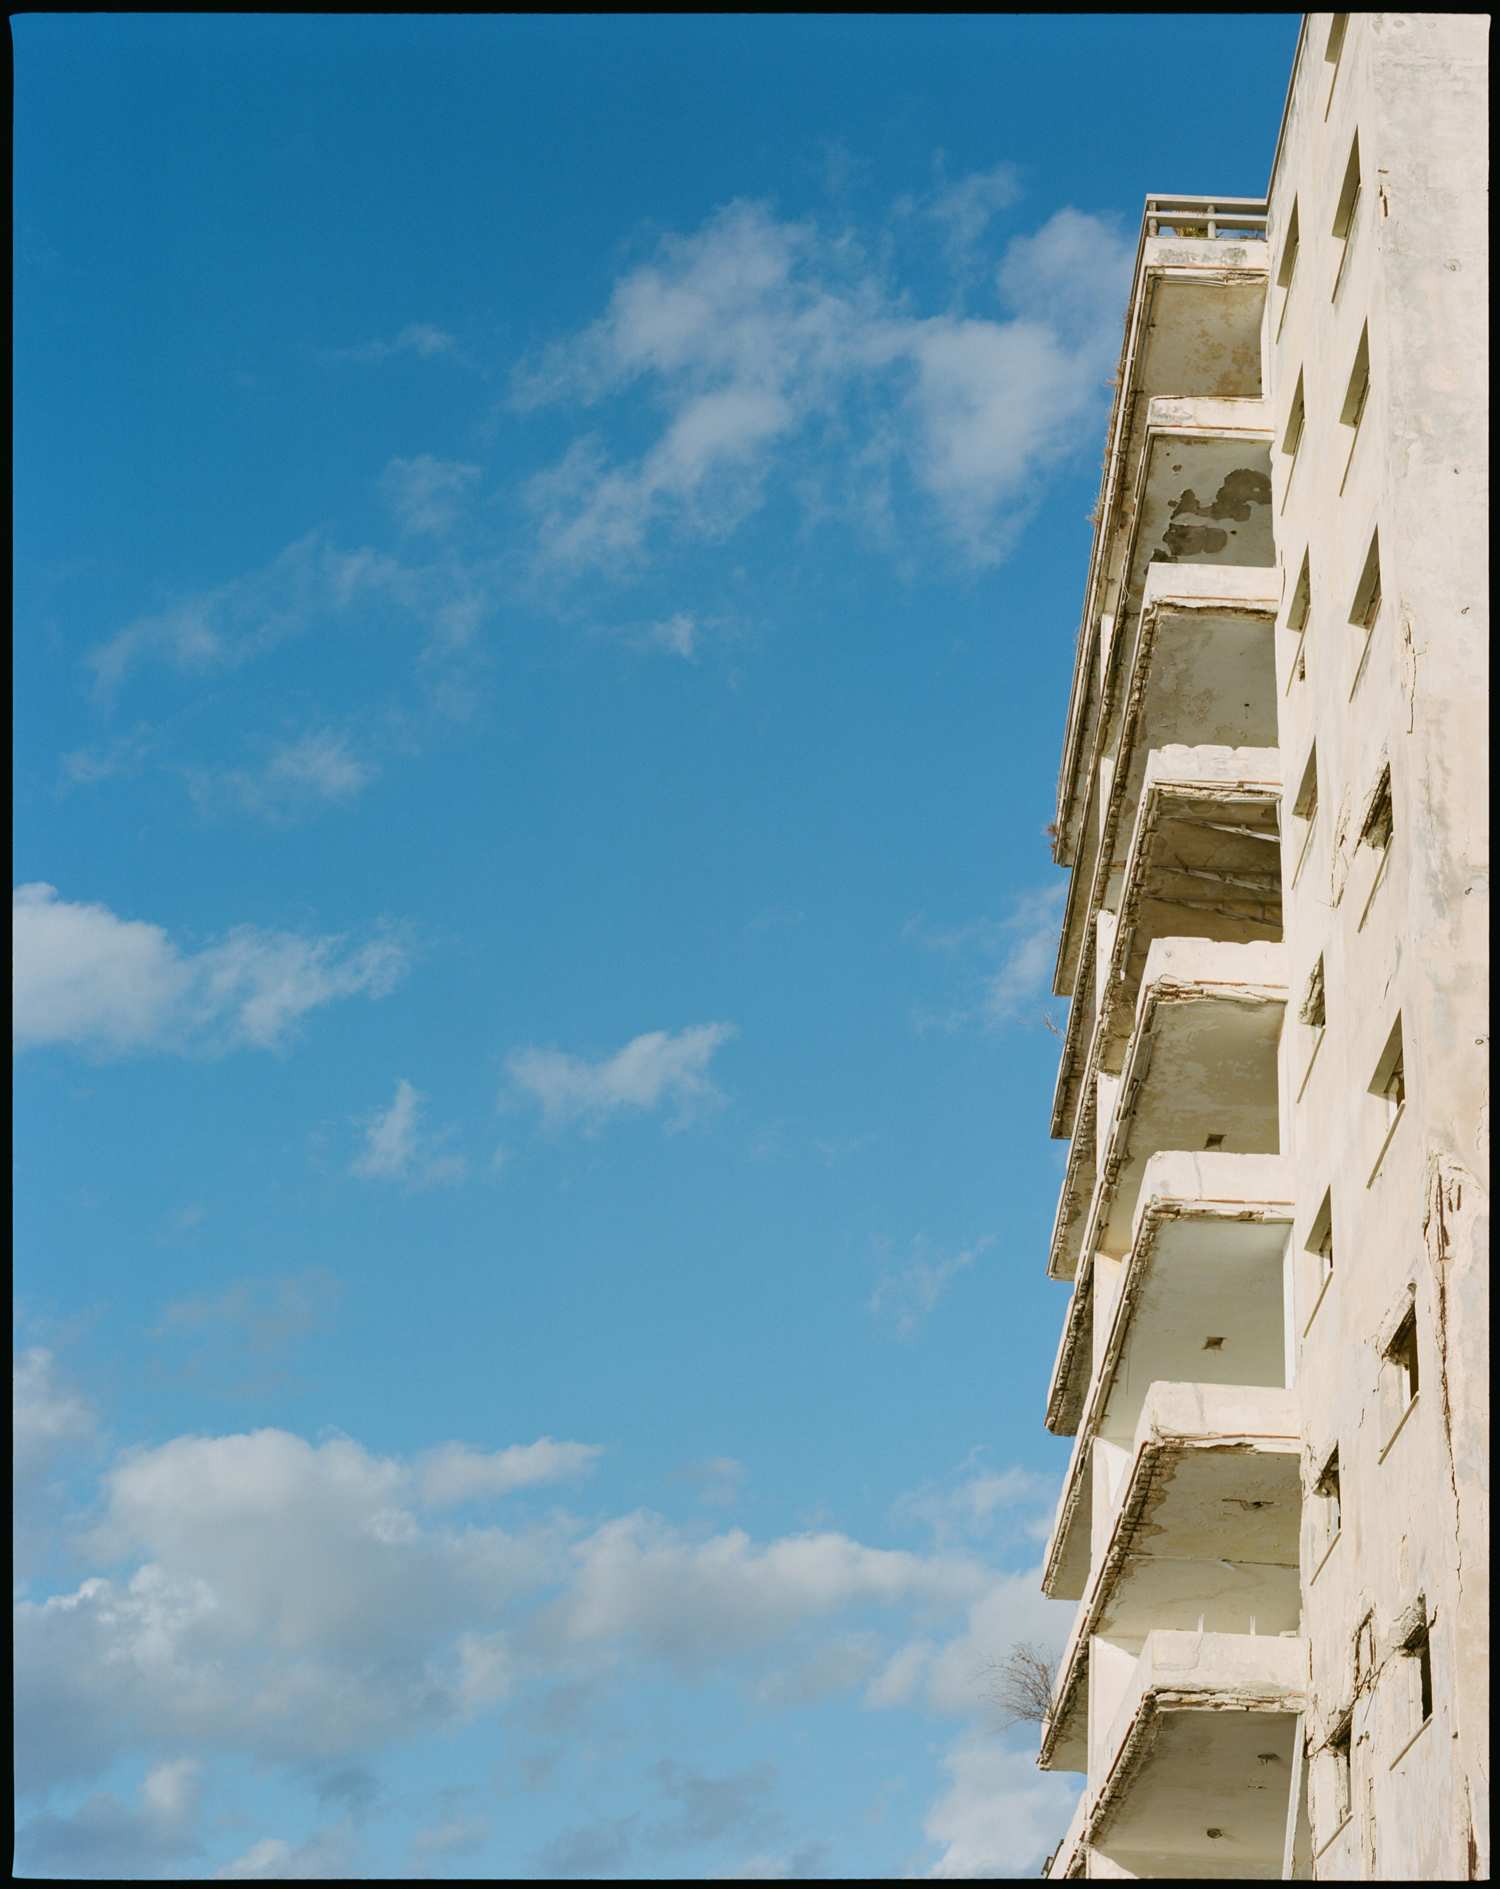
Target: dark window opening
column 1380, row 819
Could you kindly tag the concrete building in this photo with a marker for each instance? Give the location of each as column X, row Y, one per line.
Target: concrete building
column 1273, row 803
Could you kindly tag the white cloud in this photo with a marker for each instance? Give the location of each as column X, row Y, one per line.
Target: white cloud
column 454, row 1473
column 791, row 1866
column 757, row 338
column 967, row 207
column 463, row 1836
column 327, row 1855
column 1002, row 1817
column 309, row 1603
column 907, row 1297
column 675, row 636
column 421, row 338
column 311, row 583
column 288, row 1600
column 428, row 494
column 320, row 763
column 970, row 1507
column 317, row 768
column 47, row 1418
column 651, row 1069
column 695, row 1603
column 1022, row 948
column 109, row 1840
column 717, row 1479
column 397, row 1148
column 1030, row 948
column 83, row 976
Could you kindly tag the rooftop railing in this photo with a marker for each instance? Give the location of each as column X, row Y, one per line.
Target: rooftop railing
column 1222, row 218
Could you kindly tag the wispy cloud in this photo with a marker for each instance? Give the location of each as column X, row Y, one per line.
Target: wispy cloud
column 398, row 1148
column 84, row 977
column 972, row 1505
column 47, row 1417
column 453, row 1473
column 717, row 1479
column 676, row 635
column 651, row 1070
column 427, row 494
column 421, row 338
column 905, row 1298
column 307, row 1604
column 759, row 338
column 1020, row 950
column 311, row 584
column 967, row 207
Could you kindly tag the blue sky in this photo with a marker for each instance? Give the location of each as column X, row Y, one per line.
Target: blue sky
column 548, row 555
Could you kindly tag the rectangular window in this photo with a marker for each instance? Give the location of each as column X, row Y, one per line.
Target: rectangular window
column 1389, row 1079
column 1403, row 1360
column 1328, row 1493
column 1340, row 1743
column 1379, row 821
column 1320, row 1245
column 1332, row 54
column 1292, row 438
column 1365, row 608
column 1296, row 619
column 1355, row 396
column 1305, row 809
column 1288, row 270
column 1346, row 212
column 1313, row 1017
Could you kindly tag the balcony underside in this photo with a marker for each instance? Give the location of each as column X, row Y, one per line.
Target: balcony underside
column 1196, row 1770
column 1204, row 1533
column 1202, row 1066
column 1204, row 860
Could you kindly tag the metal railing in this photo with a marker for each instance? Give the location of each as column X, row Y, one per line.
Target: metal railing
column 1218, row 218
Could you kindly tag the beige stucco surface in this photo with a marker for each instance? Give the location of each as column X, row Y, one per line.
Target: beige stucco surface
column 1274, row 808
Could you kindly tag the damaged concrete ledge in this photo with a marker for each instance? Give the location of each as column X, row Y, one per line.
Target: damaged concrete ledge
column 1207, row 1186
column 1177, row 970
column 1221, row 785
column 1219, row 590
column 1206, row 1672
column 1060, row 1864
column 1175, row 1419
column 1165, row 266
column 1177, row 413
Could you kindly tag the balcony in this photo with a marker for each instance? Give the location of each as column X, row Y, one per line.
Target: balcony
column 1200, row 1072
column 1201, row 672
column 1202, row 1527
column 1205, row 843
column 1196, row 1766
column 1193, row 332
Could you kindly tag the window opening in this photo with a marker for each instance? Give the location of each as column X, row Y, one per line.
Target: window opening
column 1320, row 1240
column 1288, row 269
column 1403, row 1356
column 1292, row 438
column 1340, row 1740
column 1305, row 807
column 1327, row 1486
column 1389, row 1079
column 1297, row 615
column 1380, row 819
column 1365, row 608
column 1315, row 1003
column 1348, row 209
column 1417, row 1647
column 1355, row 396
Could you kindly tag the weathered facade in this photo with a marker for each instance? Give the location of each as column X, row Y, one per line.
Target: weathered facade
column 1274, row 806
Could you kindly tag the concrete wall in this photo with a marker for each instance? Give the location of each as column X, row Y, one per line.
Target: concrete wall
column 1370, row 1306
column 1401, row 930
